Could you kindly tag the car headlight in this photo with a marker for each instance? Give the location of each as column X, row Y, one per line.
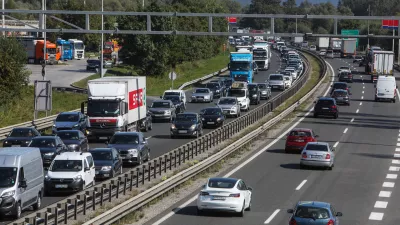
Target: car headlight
column 233, row 108
column 193, row 96
column 254, row 96
column 79, row 177
column 219, row 119
column 202, row 119
column 8, row 194
column 192, row 127
column 106, row 168
column 264, row 92
column 47, row 177
column 217, row 91
column 133, row 152
column 54, row 125
column 167, row 112
column 49, row 153
column 173, row 126
column 76, row 125
column 206, row 97
column 73, row 146
column 5, row 142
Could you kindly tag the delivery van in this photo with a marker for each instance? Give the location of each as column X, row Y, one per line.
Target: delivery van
column 385, row 89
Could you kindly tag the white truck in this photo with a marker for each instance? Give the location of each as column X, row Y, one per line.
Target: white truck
column 297, row 41
column 336, row 44
column 322, row 43
column 262, row 54
column 349, row 47
column 78, row 49
column 379, row 63
column 115, row 104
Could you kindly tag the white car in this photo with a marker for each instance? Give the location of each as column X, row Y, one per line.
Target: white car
column 292, row 71
column 344, row 68
column 313, row 48
column 276, row 81
column 288, row 81
column 70, row 172
column 225, row 194
column 322, row 53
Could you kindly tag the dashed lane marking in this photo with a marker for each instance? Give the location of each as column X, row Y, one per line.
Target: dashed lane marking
column 376, row 216
column 301, row 185
column 380, row 204
column 272, row 216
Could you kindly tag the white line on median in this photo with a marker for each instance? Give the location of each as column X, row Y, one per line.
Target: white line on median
column 272, row 216
column 363, row 87
column 301, row 185
column 360, row 103
column 351, row 120
column 380, row 204
column 376, row 216
column 397, row 150
column 395, row 161
column 391, row 176
column 394, row 168
column 336, row 144
column 388, row 184
column 345, row 130
column 357, row 110
column 362, row 97
column 363, row 92
column 385, row 194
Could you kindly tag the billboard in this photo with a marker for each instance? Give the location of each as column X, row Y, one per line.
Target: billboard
column 351, row 32
column 232, row 20
column 390, row 24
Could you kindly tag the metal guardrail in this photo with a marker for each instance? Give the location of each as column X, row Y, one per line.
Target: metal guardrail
column 202, row 78
column 94, row 197
column 396, row 67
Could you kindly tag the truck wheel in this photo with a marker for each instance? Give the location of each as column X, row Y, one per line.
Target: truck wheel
column 38, row 203
column 18, row 210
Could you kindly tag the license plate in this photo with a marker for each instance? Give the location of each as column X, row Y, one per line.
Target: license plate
column 300, row 140
column 381, row 94
column 97, row 172
column 315, row 156
column 61, row 186
column 15, row 145
column 219, row 198
column 158, row 115
column 325, row 108
column 346, row 77
column 275, row 86
column 182, row 131
column 210, row 122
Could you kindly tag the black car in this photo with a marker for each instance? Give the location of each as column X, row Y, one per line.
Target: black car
column 92, row 64
column 178, row 102
column 254, row 93
column 326, row 106
column 216, row 88
column 346, row 76
column 341, row 97
column 20, row 137
column 265, row 90
column 146, row 124
column 75, row 140
column 107, row 161
column 187, row 124
column 49, row 147
column 212, row 117
column 340, row 85
column 227, row 82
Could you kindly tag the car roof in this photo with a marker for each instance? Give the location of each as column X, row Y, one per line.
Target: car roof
column 340, row 83
column 45, row 137
column 100, row 149
column 326, row 98
column 162, row 100
column 202, row 88
column 314, row 204
column 128, row 133
column 339, row 90
column 212, row 107
column 187, row 113
column 228, row 98
column 224, row 179
column 69, row 113
column 67, row 131
column 72, row 155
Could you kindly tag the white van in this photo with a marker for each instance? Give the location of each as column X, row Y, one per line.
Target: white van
column 385, row 88
column 21, row 180
column 180, row 93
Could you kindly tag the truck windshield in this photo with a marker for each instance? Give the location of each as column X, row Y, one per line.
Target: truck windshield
column 66, row 165
column 51, row 50
column 240, row 66
column 260, row 54
column 237, row 93
column 8, row 176
column 103, row 108
column 66, row 46
column 78, row 46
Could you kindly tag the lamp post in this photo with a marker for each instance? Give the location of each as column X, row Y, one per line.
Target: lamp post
column 45, row 41
column 3, row 18
column 102, row 39
column 369, row 14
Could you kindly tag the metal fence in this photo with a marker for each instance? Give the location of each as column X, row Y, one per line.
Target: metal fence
column 95, row 197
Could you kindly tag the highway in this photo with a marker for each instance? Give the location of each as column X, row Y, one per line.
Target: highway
column 159, row 138
column 361, row 185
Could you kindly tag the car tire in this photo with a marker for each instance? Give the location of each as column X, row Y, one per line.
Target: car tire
column 151, row 125
column 336, row 116
column 249, row 208
column 18, row 210
column 140, row 160
column 199, row 212
column 112, row 174
column 241, row 213
column 38, row 203
column 172, row 137
column 394, row 100
column 315, row 115
column 330, row 168
column 146, row 127
column 303, row 167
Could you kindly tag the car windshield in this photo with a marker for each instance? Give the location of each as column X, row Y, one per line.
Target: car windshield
column 124, row 139
column 227, row 101
column 8, row 176
column 93, row 61
column 171, row 93
column 211, row 85
column 68, row 135
column 173, row 98
column 212, row 111
column 101, row 155
column 21, row 133
column 237, row 93
column 228, row 82
column 262, row 86
column 221, row 183
column 275, row 77
column 201, row 91
column 297, row 133
column 67, row 118
column 340, row 86
column 43, row 143
column 252, row 88
column 312, row 212
column 317, row 147
column 186, row 118
column 160, row 105
column 66, row 165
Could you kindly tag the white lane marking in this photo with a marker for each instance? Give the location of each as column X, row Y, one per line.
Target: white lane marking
column 360, row 103
column 395, row 161
column 398, row 144
column 391, row 176
column 385, row 194
column 357, row 110
column 397, row 149
column 398, row 139
column 362, row 97
column 388, row 184
column 363, row 92
column 351, row 120
column 363, row 87
column 363, row 83
column 336, row 144
column 361, row 76
column 376, row 216
column 380, row 204
column 394, row 168
column 272, row 216
column 397, row 155
column 345, row 130
column 149, row 137
column 301, row 185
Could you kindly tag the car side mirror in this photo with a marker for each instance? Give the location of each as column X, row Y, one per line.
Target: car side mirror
column 249, row 188
column 87, row 169
column 333, row 149
column 116, row 158
column 23, row 184
column 339, row 214
column 397, row 87
column 106, row 142
column 290, row 211
column 161, row 97
column 316, row 136
column 59, row 145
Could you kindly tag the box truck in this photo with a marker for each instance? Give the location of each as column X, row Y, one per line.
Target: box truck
column 322, row 43
column 349, row 47
column 336, row 44
column 115, row 104
column 379, row 63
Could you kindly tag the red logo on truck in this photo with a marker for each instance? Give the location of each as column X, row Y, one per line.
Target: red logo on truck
column 103, row 120
column 135, row 99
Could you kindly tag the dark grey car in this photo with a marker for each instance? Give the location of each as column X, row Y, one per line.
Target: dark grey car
column 75, row 140
column 162, row 110
column 132, row 147
column 107, row 161
column 341, row 96
column 254, row 93
column 20, row 137
column 70, row 121
column 216, row 88
column 265, row 90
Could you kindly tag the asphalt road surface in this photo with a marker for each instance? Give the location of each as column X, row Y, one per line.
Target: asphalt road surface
column 361, row 185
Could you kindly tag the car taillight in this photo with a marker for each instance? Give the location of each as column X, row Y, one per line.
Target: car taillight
column 292, row 222
column 334, row 107
column 347, row 88
column 235, row 195
column 350, row 75
column 304, row 155
column 328, row 156
column 204, row 193
column 330, row 222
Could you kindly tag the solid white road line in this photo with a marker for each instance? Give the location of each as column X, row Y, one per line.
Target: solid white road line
column 380, row 204
column 394, row 168
column 398, row 144
column 272, row 216
column 391, row 176
column 398, row 139
column 336, row 144
column 363, row 87
column 385, row 194
column 345, row 130
column 301, row 185
column 357, row 111
column 388, row 184
column 351, row 120
column 376, row 216
column 398, row 94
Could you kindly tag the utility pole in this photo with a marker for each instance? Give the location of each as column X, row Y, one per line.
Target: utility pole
column 45, row 41
column 369, row 14
column 102, row 39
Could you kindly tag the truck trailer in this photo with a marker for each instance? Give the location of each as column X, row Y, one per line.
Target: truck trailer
column 78, row 48
column 115, row 104
column 379, row 63
column 349, row 47
column 336, row 44
column 322, row 43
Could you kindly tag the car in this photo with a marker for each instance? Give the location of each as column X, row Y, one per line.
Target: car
column 180, row 93
column 265, row 90
column 344, row 68
column 288, row 81
column 75, row 140
column 329, row 54
column 314, row 213
column 212, row 117
column 293, row 72
column 230, row 106
column 322, row 53
column 202, row 95
column 187, row 124
column 49, row 147
column 70, row 172
column 296, row 66
column 313, row 48
column 345, row 76
column 146, row 123
column 108, row 64
column 178, row 102
column 298, row 138
column 162, row 110
column 276, row 81
column 131, row 146
column 216, row 88
column 227, row 82
column 326, row 106
column 70, row 121
column 358, row 59
column 255, row 93
column 107, row 162
column 341, row 96
column 20, row 137
column 317, row 154
column 92, row 64
column 340, row 85
column 224, row 194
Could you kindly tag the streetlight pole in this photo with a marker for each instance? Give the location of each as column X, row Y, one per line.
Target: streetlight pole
column 102, row 39
column 369, row 14
column 3, row 18
column 45, row 41
column 143, row 4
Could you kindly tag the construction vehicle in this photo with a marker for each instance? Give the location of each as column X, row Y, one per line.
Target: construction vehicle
column 110, row 51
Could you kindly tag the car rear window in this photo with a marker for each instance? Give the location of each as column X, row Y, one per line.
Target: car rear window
column 312, row 212
column 325, row 102
column 297, row 133
column 340, row 94
column 339, row 86
column 221, row 183
column 316, row 147
column 276, row 77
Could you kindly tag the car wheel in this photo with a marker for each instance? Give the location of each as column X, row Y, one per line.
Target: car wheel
column 394, row 100
column 172, row 137
column 199, row 212
column 336, row 116
column 330, row 168
column 112, row 174
column 249, row 208
column 241, row 214
column 146, row 127
column 151, row 125
column 38, row 203
column 302, row 167
column 315, row 115
column 18, row 210
column 140, row 161
column 148, row 156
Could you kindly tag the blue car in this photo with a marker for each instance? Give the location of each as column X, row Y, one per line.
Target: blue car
column 314, row 213
column 70, row 121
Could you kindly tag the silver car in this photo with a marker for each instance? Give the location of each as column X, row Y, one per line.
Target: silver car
column 265, row 90
column 202, row 95
column 230, row 106
column 317, row 154
column 276, row 81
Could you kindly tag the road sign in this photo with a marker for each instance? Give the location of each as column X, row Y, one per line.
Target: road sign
column 232, row 20
column 172, row 75
column 351, row 32
column 390, row 24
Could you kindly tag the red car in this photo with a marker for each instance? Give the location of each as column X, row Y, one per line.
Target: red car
column 298, row 138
